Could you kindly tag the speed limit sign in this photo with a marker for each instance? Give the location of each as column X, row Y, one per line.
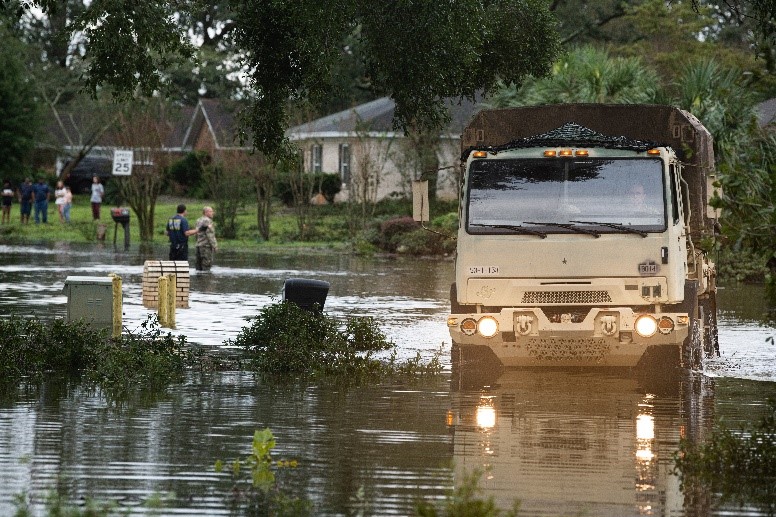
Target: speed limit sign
column 122, row 163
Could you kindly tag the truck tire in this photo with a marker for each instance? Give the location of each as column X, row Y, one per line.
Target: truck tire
column 692, row 348
column 708, row 306
column 473, row 367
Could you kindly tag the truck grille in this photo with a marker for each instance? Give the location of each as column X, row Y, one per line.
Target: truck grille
column 558, row 349
column 575, row 297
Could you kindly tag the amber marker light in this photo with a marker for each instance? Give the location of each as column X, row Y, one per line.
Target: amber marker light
column 469, row 326
column 550, row 153
column 566, row 152
column 480, row 154
column 654, row 152
column 582, row 152
column 665, row 325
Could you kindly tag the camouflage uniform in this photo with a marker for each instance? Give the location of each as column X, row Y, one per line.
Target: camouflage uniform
column 206, row 243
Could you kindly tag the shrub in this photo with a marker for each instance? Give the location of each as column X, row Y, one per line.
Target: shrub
column 148, row 359
column 392, row 230
column 327, row 184
column 284, row 338
column 741, row 466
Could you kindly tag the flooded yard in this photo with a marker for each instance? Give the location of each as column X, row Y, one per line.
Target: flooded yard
column 563, row 443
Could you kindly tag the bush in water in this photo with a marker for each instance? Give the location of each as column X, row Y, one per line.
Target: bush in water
column 30, row 348
column 284, row 339
column 740, row 466
column 149, row 359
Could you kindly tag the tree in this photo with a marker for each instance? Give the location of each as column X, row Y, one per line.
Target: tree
column 228, row 183
column 370, row 156
column 145, row 127
column 584, row 75
column 19, row 112
column 418, row 52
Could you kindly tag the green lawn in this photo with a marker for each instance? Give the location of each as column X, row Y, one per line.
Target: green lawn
column 327, row 226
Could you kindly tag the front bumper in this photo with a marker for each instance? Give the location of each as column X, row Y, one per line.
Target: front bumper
column 605, row 337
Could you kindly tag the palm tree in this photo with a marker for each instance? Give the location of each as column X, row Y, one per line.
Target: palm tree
column 585, row 74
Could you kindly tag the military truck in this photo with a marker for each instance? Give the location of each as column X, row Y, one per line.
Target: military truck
column 582, row 237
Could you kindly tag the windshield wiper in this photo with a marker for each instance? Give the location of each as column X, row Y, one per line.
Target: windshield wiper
column 514, row 228
column 616, row 226
column 568, row 227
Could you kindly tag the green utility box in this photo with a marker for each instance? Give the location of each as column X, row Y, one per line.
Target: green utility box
column 91, row 298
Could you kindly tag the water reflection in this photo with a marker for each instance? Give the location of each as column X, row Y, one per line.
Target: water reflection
column 576, row 442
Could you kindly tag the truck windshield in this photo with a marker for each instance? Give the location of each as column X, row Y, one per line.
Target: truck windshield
column 620, row 195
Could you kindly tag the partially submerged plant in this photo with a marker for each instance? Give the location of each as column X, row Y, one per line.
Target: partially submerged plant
column 146, row 358
column 255, row 483
column 737, row 466
column 286, row 339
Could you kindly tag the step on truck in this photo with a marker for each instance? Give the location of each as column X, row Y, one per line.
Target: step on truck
column 582, row 237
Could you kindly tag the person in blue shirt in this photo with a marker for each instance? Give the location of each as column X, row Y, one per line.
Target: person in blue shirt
column 25, row 200
column 42, row 194
column 178, row 231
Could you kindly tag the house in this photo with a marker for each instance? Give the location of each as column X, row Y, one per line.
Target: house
column 373, row 159
column 80, row 144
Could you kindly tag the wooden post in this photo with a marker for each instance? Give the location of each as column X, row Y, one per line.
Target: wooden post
column 163, row 305
column 172, row 290
column 118, row 306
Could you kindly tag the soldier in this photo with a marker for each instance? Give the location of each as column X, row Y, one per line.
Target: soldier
column 206, row 240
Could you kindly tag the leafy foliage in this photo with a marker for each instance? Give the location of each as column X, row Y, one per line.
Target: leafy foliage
column 146, row 359
column 466, row 501
column 739, row 466
column 585, row 74
column 327, row 184
column 419, row 53
column 19, row 113
column 261, row 493
column 286, row 339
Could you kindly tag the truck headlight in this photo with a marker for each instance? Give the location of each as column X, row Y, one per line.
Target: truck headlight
column 646, row 325
column 487, row 326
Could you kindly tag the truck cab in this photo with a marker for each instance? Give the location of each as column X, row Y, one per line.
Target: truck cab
column 575, row 248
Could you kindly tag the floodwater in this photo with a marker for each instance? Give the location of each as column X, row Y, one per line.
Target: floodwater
column 561, row 442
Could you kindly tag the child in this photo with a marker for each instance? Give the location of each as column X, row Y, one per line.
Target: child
column 7, row 195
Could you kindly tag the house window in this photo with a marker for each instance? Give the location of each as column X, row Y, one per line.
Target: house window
column 344, row 163
column 316, row 163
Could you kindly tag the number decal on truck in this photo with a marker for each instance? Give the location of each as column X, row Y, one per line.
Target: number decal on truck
column 483, row 270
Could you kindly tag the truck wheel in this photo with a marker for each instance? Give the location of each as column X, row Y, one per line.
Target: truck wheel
column 473, row 366
column 710, row 335
column 692, row 348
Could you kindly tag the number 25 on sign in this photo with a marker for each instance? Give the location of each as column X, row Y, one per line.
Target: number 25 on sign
column 122, row 163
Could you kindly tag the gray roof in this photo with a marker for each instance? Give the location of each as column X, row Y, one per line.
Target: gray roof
column 377, row 116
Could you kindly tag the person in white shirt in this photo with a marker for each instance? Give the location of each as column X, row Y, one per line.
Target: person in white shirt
column 98, row 192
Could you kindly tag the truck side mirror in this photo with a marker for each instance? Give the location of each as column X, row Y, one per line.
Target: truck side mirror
column 420, row 201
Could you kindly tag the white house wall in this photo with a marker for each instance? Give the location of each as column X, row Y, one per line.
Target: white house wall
column 387, row 151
